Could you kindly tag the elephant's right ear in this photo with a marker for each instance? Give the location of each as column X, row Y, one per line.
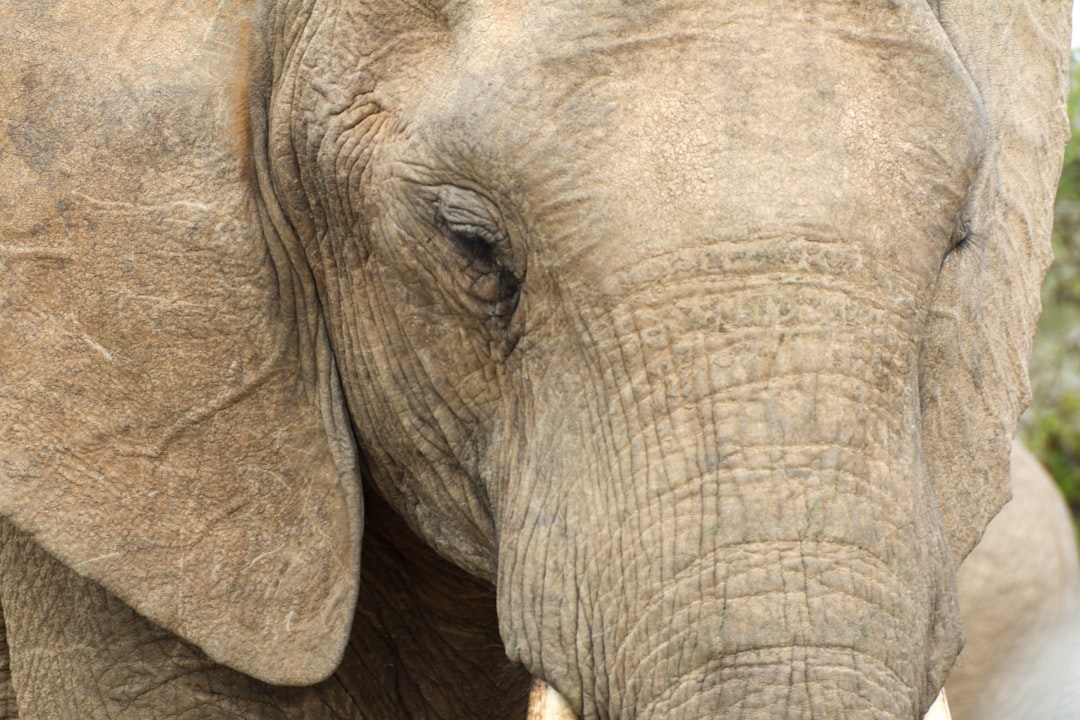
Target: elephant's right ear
column 171, row 423
column 974, row 362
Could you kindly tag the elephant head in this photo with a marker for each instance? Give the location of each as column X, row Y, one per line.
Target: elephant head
column 699, row 330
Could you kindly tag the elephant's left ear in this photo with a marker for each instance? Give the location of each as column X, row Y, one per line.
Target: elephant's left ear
column 171, row 424
column 974, row 364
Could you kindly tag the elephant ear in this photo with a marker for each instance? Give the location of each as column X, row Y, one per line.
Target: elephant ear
column 171, row 423
column 974, row 364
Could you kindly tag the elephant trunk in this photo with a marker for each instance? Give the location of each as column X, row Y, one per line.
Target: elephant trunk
column 743, row 523
column 824, row 673
column 764, row 608
column 778, row 628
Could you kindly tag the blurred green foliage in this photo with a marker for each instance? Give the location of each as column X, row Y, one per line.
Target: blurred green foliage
column 1051, row 427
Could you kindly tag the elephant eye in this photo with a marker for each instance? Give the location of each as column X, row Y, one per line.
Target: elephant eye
column 473, row 242
column 481, row 255
column 963, row 240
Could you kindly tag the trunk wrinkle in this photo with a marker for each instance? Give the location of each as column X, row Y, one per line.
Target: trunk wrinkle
column 647, row 622
column 872, row 685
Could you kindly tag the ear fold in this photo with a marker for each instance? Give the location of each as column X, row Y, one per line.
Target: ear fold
column 974, row 381
column 171, row 424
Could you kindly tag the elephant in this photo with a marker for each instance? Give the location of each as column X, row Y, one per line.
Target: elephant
column 1043, row 680
column 1019, row 593
column 376, row 359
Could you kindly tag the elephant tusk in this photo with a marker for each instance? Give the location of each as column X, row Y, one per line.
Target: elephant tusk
column 545, row 703
column 939, row 710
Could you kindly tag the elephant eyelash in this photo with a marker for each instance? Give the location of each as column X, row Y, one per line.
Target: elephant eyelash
column 471, row 230
column 965, row 240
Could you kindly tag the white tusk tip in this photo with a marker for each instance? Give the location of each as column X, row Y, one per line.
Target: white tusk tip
column 545, row 703
column 939, row 710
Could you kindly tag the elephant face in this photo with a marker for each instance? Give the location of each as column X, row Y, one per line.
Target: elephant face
column 597, row 306
column 489, row 270
column 683, row 326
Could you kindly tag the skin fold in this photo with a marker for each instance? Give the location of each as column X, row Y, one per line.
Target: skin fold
column 371, row 359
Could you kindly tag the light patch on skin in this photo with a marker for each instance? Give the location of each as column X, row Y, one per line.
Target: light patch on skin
column 99, row 347
column 107, row 556
column 30, row 252
column 169, row 210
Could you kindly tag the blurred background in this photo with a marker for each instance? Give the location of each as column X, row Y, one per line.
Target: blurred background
column 1051, row 426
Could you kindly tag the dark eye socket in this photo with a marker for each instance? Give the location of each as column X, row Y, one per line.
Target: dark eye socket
column 473, row 241
column 487, row 266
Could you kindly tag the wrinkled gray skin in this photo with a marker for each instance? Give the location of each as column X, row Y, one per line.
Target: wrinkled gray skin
column 364, row 359
column 1020, row 603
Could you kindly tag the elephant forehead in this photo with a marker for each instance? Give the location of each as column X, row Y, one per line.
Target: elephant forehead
column 857, row 122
